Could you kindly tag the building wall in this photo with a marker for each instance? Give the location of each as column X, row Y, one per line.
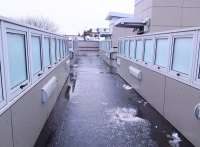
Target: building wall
column 120, row 32
column 87, row 48
column 169, row 14
column 173, row 99
column 21, row 124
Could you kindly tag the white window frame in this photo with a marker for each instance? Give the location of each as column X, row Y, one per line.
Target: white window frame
column 119, row 47
column 139, row 60
column 177, row 74
column 2, row 73
column 11, row 28
column 153, row 54
column 196, row 61
column 53, row 38
column 158, row 67
column 63, row 49
column 132, row 40
column 60, row 48
column 39, row 74
column 50, row 65
column 57, row 50
column 126, row 40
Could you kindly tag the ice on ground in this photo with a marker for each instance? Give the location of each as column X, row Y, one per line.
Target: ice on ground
column 104, row 103
column 174, row 140
column 139, row 101
column 124, row 114
column 124, row 122
column 75, row 65
column 145, row 103
column 127, row 87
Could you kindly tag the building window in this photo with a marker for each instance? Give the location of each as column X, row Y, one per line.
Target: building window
column 53, row 51
column 148, row 51
column 67, row 48
column 36, row 55
column 16, row 47
column 57, row 50
column 1, row 92
column 63, row 49
column 126, row 43
column 162, row 52
column 182, row 55
column 132, row 49
column 139, row 50
column 122, row 47
column 60, row 48
column 46, row 52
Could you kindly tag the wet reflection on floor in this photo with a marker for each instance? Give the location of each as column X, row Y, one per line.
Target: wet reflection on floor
column 104, row 111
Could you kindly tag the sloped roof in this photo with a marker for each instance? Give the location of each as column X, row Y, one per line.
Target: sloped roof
column 117, row 14
column 129, row 22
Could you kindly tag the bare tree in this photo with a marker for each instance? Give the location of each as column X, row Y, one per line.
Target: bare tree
column 40, row 22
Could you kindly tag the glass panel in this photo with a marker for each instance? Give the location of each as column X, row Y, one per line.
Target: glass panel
column 36, row 54
column 132, row 49
column 182, row 56
column 126, row 48
column 148, row 51
column 122, row 48
column 53, row 50
column 57, row 50
column 16, row 58
column 162, row 52
column 119, row 45
column 46, row 52
column 63, row 49
column 139, row 49
column 1, row 91
column 60, row 48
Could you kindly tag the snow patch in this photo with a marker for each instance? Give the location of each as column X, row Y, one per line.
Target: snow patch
column 124, row 115
column 75, row 65
column 174, row 140
column 104, row 103
column 127, row 87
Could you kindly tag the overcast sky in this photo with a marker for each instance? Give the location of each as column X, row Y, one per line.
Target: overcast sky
column 71, row 16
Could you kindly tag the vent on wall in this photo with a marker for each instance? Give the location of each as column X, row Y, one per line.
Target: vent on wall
column 48, row 89
column 135, row 72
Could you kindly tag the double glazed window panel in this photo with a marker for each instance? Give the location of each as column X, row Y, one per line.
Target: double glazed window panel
column 57, row 50
column 148, row 51
column 122, row 47
column 182, row 55
column 132, row 49
column 46, row 52
column 126, row 47
column 36, row 54
column 53, row 50
column 139, row 49
column 162, row 52
column 16, row 47
column 60, row 48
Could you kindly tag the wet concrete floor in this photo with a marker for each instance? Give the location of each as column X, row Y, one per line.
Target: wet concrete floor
column 101, row 110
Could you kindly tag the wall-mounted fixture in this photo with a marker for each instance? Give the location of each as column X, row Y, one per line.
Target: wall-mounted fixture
column 48, row 89
column 135, row 72
column 197, row 111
